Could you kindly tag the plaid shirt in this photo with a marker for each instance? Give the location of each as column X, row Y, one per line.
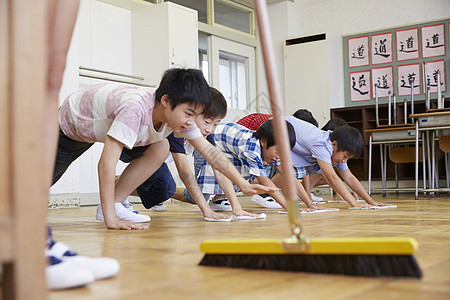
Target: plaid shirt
column 241, row 148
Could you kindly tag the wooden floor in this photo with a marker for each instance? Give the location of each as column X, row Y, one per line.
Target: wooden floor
column 161, row 262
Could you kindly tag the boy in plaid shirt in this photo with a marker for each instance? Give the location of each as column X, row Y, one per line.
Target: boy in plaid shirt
column 247, row 150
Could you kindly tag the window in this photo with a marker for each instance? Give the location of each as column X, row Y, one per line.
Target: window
column 233, row 79
column 223, row 13
column 203, row 55
column 233, row 16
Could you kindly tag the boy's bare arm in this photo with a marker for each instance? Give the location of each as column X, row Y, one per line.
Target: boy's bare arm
column 106, row 175
column 301, row 192
column 357, row 187
column 188, row 178
column 306, row 182
column 336, row 183
column 228, row 189
column 221, row 163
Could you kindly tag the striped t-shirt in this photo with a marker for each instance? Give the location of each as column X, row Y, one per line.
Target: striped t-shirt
column 123, row 112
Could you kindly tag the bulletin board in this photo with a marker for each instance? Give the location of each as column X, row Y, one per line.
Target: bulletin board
column 392, row 59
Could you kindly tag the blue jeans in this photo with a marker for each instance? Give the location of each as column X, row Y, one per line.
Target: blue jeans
column 156, row 189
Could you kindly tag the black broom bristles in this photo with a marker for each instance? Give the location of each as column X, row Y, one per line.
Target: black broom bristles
column 353, row 265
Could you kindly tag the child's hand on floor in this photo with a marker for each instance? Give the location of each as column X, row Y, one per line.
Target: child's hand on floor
column 315, row 207
column 242, row 213
column 379, row 203
column 363, row 205
column 116, row 223
column 215, row 216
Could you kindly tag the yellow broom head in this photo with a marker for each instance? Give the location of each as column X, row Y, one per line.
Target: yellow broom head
column 374, row 257
column 353, row 246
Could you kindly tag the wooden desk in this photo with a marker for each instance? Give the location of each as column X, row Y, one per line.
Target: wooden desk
column 385, row 136
column 435, row 122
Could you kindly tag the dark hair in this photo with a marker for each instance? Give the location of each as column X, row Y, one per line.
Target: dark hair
column 306, row 115
column 334, row 123
column 265, row 131
column 348, row 139
column 217, row 107
column 184, row 86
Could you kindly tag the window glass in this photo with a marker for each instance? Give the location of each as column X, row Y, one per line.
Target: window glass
column 233, row 79
column 203, row 55
column 231, row 16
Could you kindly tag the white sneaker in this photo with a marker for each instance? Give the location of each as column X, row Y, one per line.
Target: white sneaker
column 99, row 267
column 265, row 201
column 220, row 205
column 315, row 198
column 159, row 207
column 123, row 214
column 128, row 206
column 65, row 275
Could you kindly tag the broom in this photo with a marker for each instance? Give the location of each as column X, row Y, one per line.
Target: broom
column 378, row 257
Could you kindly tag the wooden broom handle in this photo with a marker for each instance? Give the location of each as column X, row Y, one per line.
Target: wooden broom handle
column 279, row 122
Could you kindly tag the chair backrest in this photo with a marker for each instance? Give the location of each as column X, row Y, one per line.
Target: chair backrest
column 444, row 143
column 404, row 154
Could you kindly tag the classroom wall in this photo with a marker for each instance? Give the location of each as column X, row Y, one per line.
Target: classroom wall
column 337, row 18
column 102, row 40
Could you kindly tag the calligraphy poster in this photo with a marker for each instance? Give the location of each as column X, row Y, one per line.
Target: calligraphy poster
column 358, row 51
column 360, row 86
column 381, row 48
column 433, row 40
column 382, row 79
column 431, row 75
column 408, row 78
column 407, row 44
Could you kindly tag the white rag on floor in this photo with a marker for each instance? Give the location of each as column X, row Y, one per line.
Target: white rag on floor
column 374, row 207
column 229, row 219
column 260, row 216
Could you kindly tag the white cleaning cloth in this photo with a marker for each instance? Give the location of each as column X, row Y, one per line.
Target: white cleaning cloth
column 260, row 216
column 374, row 207
column 229, row 219
column 318, row 211
column 311, row 211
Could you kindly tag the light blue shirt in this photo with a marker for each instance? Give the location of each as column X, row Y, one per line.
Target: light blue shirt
column 311, row 144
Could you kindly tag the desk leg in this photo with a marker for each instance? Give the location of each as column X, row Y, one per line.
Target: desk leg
column 433, row 161
column 429, row 163
column 446, row 169
column 436, row 160
column 396, row 177
column 383, row 169
column 424, row 164
column 416, row 164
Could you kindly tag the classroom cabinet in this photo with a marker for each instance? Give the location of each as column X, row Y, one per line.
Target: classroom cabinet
column 163, row 36
column 364, row 118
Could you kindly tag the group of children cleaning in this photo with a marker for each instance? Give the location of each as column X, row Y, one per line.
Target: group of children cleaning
column 141, row 127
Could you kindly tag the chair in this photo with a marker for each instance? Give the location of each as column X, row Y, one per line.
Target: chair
column 23, row 68
column 402, row 155
column 389, row 137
